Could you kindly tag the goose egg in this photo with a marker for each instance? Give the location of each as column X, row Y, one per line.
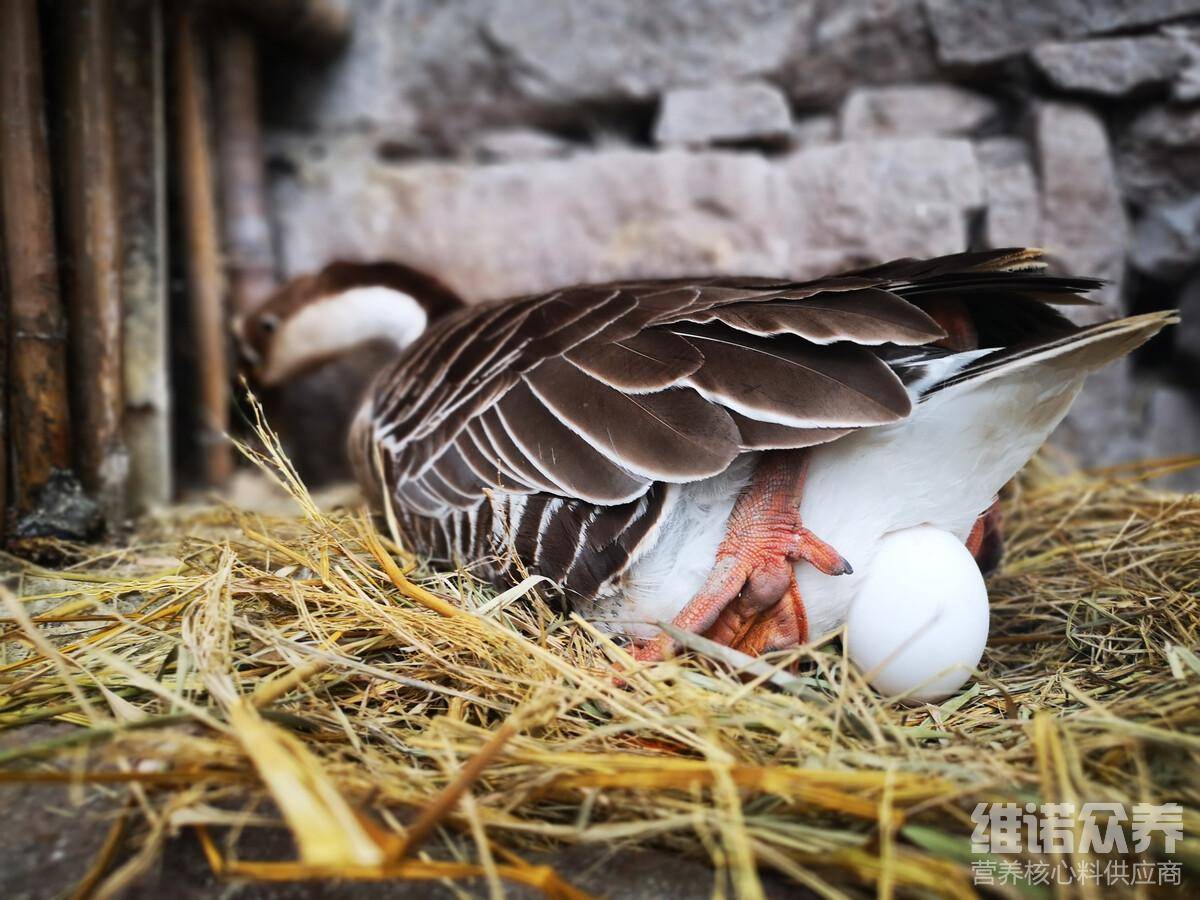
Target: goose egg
column 919, row 623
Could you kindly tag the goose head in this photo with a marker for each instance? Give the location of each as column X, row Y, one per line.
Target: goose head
column 316, row 318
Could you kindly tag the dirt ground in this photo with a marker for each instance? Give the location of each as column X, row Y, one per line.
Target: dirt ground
column 49, row 836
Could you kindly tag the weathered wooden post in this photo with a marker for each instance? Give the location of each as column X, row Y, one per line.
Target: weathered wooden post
column 94, row 247
column 249, row 256
column 202, row 253
column 3, row 394
column 39, row 416
column 142, row 173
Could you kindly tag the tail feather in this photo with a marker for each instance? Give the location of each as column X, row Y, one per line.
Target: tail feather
column 1085, row 350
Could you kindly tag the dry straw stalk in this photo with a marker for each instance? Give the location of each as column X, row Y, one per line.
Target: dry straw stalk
column 244, row 671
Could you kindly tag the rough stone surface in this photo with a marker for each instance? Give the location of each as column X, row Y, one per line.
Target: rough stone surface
column 1121, row 416
column 1168, row 425
column 1187, row 334
column 1083, row 220
column 1187, row 84
column 856, row 42
column 1101, row 426
column 1158, row 157
column 909, row 110
column 1166, row 240
column 401, row 56
column 817, row 129
column 506, row 144
column 1014, row 205
column 1111, row 66
column 433, row 72
column 979, row 31
column 632, row 49
column 61, row 510
column 1187, row 87
column 725, row 113
column 849, row 203
column 506, row 229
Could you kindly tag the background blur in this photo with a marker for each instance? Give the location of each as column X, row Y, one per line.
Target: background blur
column 518, row 145
column 166, row 164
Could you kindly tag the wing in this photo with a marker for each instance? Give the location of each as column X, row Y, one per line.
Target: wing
column 580, row 546
column 536, row 420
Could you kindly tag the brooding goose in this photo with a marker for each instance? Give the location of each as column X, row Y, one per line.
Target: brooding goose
column 723, row 453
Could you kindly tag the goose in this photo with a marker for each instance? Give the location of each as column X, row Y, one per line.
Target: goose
column 726, row 454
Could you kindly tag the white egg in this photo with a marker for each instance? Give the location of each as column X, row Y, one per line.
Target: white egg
column 919, row 622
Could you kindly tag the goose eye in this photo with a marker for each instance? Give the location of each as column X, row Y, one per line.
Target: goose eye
column 268, row 323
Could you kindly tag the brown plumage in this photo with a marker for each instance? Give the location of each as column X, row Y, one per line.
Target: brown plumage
column 543, row 430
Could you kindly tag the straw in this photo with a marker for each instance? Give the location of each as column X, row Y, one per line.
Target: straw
column 299, row 671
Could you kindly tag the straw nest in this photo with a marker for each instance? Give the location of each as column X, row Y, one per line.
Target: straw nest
column 230, row 671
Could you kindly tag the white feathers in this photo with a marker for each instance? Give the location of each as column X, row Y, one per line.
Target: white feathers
column 679, row 556
column 935, row 370
column 942, row 466
column 332, row 325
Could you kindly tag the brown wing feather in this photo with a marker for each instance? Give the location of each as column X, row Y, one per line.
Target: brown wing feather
column 564, row 457
column 494, row 438
column 868, row 317
column 491, row 472
column 581, row 546
column 673, row 435
column 604, row 307
column 759, row 435
column 609, row 542
column 452, row 468
column 796, row 383
column 549, row 418
column 646, row 362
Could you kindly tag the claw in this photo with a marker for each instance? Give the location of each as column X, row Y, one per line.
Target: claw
column 783, row 625
column 750, row 599
column 812, row 549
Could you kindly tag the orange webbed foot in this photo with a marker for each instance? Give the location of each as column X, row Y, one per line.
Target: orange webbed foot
column 750, row 599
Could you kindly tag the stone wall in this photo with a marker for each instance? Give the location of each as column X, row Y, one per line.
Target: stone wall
column 515, row 145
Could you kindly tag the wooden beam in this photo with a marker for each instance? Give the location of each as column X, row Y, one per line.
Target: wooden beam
column 141, row 165
column 249, row 256
column 202, row 256
column 38, row 405
column 94, row 248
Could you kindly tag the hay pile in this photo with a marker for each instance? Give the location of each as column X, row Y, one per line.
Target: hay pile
column 235, row 671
